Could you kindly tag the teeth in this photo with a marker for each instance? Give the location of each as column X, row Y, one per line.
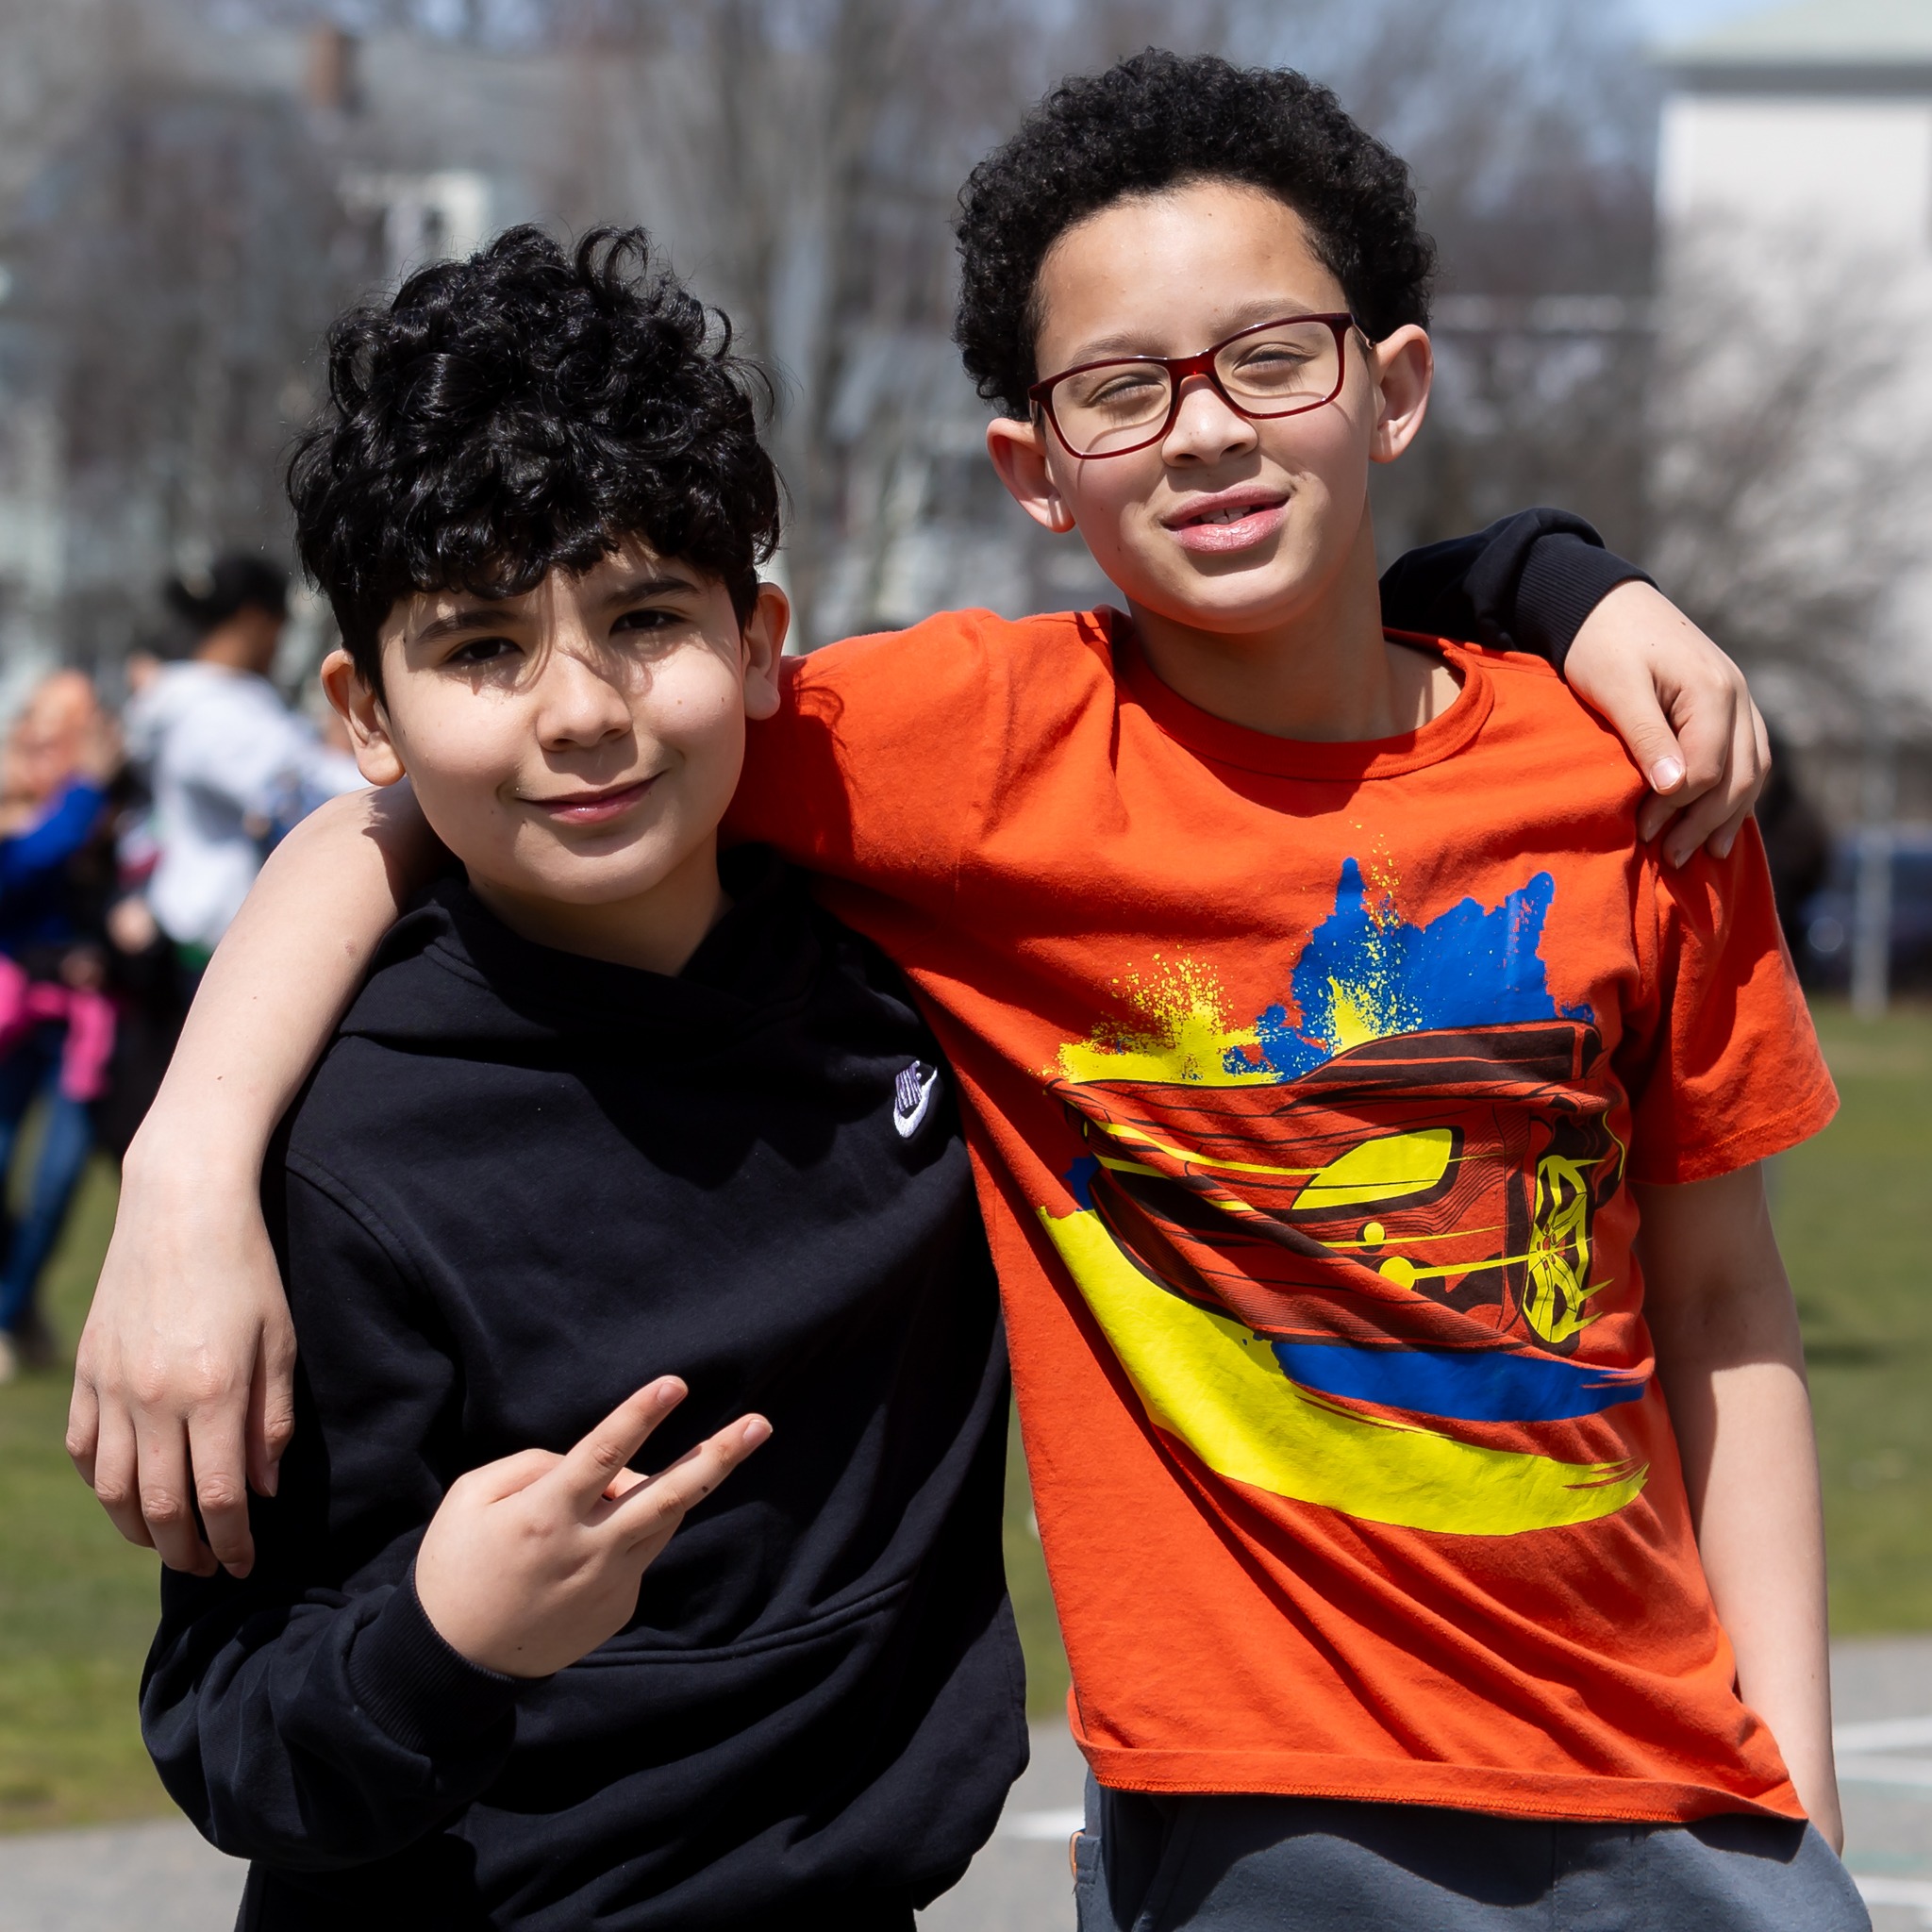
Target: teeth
column 1230, row 514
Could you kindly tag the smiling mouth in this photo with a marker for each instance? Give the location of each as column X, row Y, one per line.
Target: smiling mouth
column 593, row 807
column 1225, row 527
column 1211, row 514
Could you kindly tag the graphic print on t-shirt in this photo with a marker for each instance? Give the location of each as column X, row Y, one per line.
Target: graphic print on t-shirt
column 1343, row 1253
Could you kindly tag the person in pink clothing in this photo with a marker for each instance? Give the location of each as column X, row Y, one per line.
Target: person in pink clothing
column 56, row 1025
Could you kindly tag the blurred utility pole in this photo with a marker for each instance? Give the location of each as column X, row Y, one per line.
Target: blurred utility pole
column 1872, row 904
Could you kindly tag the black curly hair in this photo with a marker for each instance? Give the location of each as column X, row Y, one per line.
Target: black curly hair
column 1153, row 122
column 525, row 409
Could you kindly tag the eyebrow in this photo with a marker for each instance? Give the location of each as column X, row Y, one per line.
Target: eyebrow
column 1246, row 316
column 479, row 617
column 490, row 616
column 660, row 586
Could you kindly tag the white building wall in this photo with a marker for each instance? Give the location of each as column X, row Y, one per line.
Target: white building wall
column 1860, row 171
column 1794, row 465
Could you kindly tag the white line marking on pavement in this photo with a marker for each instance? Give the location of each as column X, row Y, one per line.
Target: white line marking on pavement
column 1886, row 1734
column 1915, row 1772
column 1865, row 1753
column 1044, row 1824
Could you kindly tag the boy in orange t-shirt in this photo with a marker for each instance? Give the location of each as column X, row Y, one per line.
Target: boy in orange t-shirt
column 1366, row 1123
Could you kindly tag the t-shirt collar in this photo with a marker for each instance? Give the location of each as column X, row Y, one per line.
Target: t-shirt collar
column 1222, row 743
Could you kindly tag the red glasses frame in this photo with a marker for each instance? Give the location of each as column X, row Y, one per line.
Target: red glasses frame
column 1181, row 370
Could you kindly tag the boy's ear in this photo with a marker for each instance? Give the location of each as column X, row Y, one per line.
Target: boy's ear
column 762, row 637
column 1404, row 366
column 1017, row 449
column 362, row 710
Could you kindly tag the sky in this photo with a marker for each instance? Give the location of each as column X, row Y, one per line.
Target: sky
column 1666, row 19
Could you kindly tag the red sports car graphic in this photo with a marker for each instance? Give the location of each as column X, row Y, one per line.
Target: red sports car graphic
column 1400, row 1192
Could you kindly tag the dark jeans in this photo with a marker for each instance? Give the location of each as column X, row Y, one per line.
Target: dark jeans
column 1215, row 1864
column 31, row 1069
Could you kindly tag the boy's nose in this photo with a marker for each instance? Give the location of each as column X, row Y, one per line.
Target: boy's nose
column 582, row 703
column 1206, row 428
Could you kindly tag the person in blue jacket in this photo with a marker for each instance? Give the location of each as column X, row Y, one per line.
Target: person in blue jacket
column 55, row 1024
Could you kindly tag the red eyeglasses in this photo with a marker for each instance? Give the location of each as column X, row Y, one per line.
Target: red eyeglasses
column 1111, row 408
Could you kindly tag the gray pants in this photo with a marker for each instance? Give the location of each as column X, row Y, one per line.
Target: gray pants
column 1214, row 1864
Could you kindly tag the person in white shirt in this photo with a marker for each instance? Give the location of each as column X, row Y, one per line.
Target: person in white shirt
column 230, row 766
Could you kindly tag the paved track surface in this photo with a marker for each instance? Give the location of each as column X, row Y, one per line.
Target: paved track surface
column 162, row 1878
column 1882, row 1710
column 1021, row 1882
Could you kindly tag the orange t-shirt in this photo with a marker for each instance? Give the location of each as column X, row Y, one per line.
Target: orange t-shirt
column 1304, row 1083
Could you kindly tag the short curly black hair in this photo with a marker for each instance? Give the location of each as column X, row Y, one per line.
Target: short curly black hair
column 1153, row 122
column 525, row 409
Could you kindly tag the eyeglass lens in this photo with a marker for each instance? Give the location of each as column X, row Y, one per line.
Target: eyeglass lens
column 1275, row 372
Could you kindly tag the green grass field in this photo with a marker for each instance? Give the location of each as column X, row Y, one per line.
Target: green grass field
column 76, row 1604
column 1853, row 1211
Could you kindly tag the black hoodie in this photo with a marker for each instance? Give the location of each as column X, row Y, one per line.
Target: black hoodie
column 520, row 1185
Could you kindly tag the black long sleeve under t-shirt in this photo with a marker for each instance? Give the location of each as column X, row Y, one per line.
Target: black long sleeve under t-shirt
column 1526, row 583
column 520, row 1185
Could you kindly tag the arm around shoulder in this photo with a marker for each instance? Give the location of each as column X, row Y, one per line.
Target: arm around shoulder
column 1527, row 582
column 1542, row 581
column 182, row 1382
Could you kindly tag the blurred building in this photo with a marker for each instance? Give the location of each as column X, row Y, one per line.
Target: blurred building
column 1793, row 406
column 1818, row 113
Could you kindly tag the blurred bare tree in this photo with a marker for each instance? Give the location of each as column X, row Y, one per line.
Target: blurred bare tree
column 1787, row 465
column 816, row 155
column 1793, row 404
column 55, row 59
column 179, row 253
column 1531, row 128
column 819, row 150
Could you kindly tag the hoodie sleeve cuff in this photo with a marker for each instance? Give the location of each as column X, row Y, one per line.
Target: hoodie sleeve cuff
column 426, row 1696
column 1565, row 576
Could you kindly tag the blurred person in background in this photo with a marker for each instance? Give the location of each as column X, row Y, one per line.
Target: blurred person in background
column 57, row 1023
column 230, row 766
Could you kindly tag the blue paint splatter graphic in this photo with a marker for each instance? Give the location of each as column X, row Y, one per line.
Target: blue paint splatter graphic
column 1367, row 973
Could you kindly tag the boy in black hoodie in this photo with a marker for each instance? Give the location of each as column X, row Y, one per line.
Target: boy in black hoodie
column 602, row 1110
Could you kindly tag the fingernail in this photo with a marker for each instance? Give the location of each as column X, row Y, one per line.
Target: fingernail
column 272, row 1478
column 1666, row 774
column 756, row 1431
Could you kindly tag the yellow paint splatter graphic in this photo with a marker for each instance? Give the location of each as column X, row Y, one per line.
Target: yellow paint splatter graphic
column 1181, row 1029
